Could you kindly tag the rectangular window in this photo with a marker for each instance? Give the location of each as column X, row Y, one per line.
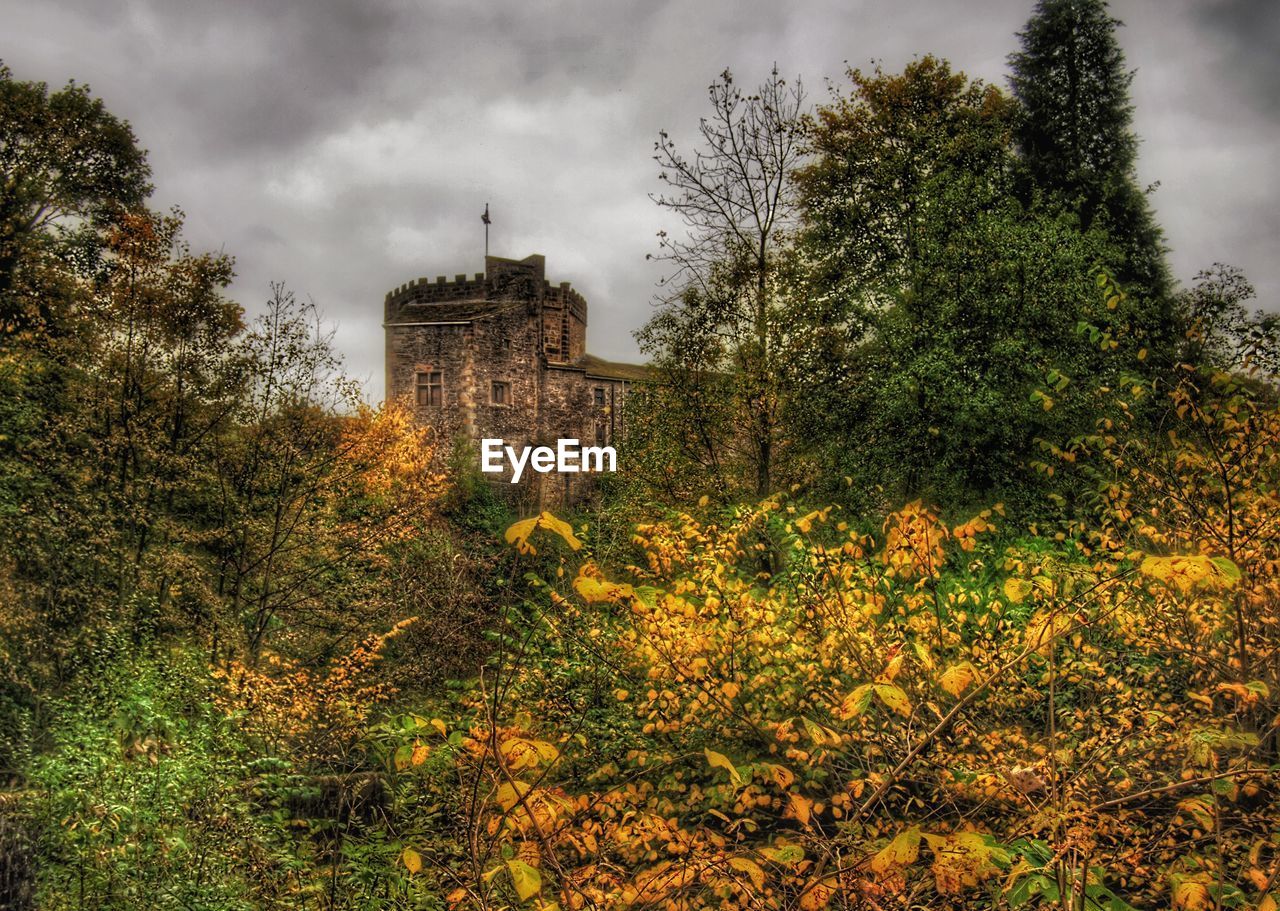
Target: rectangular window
column 430, row 388
column 599, row 396
column 500, row 393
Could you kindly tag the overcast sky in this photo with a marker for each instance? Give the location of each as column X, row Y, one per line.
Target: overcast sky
column 347, row 146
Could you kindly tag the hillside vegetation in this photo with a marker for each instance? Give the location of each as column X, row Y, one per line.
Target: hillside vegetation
column 941, row 568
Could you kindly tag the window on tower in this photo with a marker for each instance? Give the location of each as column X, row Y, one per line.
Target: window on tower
column 430, row 388
column 500, row 393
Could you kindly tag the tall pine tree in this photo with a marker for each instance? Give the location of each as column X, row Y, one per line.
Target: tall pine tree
column 1076, row 139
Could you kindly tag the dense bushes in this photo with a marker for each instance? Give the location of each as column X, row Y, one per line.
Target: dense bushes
column 264, row 647
column 932, row 715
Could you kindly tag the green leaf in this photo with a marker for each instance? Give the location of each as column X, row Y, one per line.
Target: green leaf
column 403, row 757
column 784, row 854
column 1226, row 787
column 1030, row 886
column 1228, row 569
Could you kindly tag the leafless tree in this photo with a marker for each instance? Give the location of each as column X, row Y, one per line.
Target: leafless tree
column 734, row 198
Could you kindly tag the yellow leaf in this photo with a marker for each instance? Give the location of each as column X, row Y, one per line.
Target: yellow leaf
column 1187, row 572
column 420, row 754
column 525, row 878
column 1044, row 629
column 1201, row 698
column 817, row 894
column 955, row 680
column 439, row 726
column 653, row 884
column 894, row 698
column 526, row 754
column 902, row 851
column 782, row 776
column 1202, row 809
column 510, row 794
column 719, row 760
column 801, row 808
column 519, row 533
column 595, row 589
column 411, row 859
column 922, row 653
column 1191, row 894
column 856, row 702
column 805, row 524
column 961, row 860
column 1016, row 590
column 749, row 867
column 892, row 668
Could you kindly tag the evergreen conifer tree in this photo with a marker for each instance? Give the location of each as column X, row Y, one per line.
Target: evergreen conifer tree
column 1076, row 139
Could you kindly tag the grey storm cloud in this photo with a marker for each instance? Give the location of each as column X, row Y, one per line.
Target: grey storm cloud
column 1250, row 32
column 346, row 146
column 246, row 79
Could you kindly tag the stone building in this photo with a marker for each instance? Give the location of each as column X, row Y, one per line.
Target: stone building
column 503, row 355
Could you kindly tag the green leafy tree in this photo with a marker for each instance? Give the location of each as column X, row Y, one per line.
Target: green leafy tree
column 107, row 457
column 68, row 168
column 947, row 309
column 879, row 154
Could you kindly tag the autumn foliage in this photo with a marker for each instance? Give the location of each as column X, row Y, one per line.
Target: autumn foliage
column 925, row 714
column 1011, row 639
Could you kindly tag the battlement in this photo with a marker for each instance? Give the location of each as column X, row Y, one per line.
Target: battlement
column 503, row 279
column 424, row 290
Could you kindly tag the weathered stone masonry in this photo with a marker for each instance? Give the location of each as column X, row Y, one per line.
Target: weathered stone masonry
column 503, row 355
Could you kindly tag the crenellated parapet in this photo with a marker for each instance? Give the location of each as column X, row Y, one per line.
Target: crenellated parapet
column 502, row 280
column 426, row 291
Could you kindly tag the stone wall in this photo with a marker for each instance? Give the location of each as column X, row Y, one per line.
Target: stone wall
column 510, row 326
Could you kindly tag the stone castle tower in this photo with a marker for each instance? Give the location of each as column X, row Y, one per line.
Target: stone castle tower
column 503, row 355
